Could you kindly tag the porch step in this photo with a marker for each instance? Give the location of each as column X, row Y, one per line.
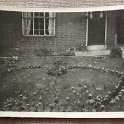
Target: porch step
column 92, row 53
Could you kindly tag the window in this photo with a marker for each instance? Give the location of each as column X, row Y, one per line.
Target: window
column 38, row 23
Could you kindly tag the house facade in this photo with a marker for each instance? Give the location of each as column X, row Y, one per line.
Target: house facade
column 60, row 31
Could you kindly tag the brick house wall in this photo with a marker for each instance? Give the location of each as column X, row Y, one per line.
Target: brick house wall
column 70, row 32
column 111, row 28
column 9, row 29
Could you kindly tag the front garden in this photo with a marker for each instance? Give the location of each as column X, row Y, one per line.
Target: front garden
column 62, row 84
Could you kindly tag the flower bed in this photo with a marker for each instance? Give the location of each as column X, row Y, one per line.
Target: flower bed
column 76, row 98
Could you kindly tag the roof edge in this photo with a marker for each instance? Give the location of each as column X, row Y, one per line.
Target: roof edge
column 86, row 9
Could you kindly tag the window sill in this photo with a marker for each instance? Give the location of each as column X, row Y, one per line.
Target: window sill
column 39, row 35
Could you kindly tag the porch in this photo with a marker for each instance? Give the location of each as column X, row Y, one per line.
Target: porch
column 92, row 53
column 103, row 31
column 97, row 51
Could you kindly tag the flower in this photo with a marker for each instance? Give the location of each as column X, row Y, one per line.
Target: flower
column 56, row 100
column 120, row 95
column 74, row 91
column 93, row 110
column 51, row 105
column 72, row 88
column 106, row 96
column 112, row 101
column 34, row 93
column 109, row 92
column 91, row 101
column 117, row 98
column 85, row 86
column 27, row 104
column 89, row 65
column 87, row 91
column 102, row 106
column 24, row 97
column 67, row 98
column 122, row 90
column 90, row 95
column 40, row 98
column 15, row 57
column 20, row 95
column 9, row 70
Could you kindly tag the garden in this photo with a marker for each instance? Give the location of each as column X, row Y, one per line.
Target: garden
column 62, row 84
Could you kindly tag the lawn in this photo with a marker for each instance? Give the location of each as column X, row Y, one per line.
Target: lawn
column 77, row 84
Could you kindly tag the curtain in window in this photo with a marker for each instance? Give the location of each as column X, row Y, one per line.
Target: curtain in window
column 26, row 23
column 51, row 23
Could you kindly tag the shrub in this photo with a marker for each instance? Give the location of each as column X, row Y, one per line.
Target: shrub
column 43, row 52
column 116, row 52
column 69, row 52
column 82, row 47
column 122, row 64
column 58, row 69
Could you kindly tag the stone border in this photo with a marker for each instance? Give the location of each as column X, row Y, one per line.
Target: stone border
column 116, row 94
column 110, row 98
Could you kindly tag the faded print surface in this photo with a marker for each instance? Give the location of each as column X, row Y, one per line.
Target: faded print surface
column 61, row 62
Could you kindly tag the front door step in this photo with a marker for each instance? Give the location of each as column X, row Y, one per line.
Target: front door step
column 96, row 47
column 92, row 53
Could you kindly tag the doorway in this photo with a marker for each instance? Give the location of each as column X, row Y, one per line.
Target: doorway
column 96, row 28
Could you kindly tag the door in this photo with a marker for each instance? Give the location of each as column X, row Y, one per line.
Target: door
column 96, row 28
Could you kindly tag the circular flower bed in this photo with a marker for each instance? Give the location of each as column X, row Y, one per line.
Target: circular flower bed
column 80, row 98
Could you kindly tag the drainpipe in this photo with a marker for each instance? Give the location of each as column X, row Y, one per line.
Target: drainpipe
column 87, row 30
column 106, row 28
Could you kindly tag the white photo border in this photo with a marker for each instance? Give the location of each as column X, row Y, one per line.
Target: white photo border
column 62, row 114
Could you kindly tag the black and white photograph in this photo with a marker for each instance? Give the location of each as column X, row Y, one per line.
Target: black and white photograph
column 61, row 60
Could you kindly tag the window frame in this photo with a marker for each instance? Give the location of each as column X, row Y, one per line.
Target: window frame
column 35, row 35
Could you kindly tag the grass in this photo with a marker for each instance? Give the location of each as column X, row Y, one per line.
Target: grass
column 35, row 90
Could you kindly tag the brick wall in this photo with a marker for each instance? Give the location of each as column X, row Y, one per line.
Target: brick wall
column 111, row 28
column 70, row 32
column 9, row 29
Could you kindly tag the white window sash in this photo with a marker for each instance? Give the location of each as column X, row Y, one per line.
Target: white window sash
column 26, row 24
